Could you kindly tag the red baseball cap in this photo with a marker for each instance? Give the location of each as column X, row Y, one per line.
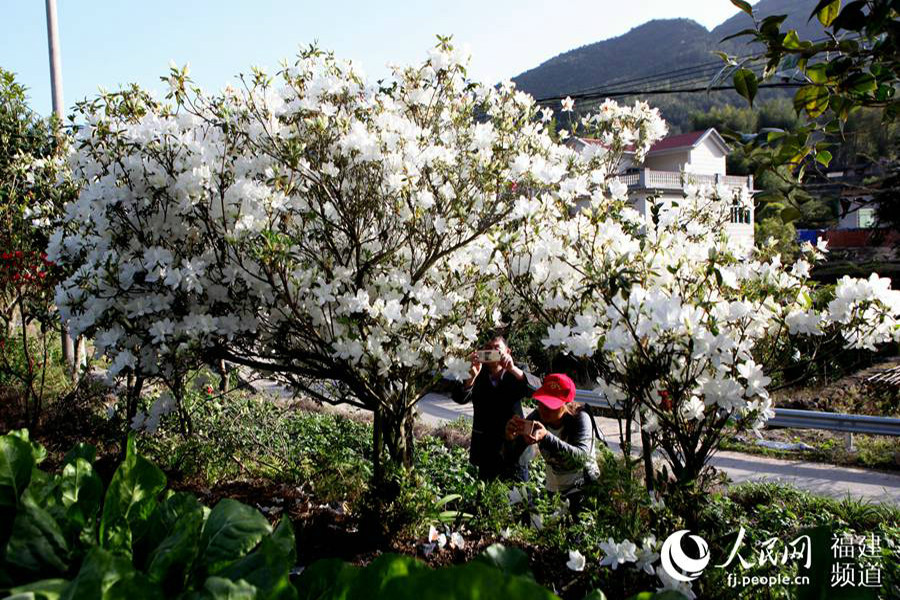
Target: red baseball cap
column 557, row 389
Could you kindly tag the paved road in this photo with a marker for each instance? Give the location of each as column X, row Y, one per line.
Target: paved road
column 818, row 478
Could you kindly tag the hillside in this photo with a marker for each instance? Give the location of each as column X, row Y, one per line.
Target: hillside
column 659, row 47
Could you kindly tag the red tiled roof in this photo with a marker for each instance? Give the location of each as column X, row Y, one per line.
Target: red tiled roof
column 683, row 140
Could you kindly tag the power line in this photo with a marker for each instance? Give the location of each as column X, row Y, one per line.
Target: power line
column 719, row 88
column 683, row 76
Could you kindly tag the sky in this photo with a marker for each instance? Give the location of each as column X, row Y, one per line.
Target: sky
column 105, row 43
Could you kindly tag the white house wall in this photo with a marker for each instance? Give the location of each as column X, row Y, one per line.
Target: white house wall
column 707, row 159
column 673, row 161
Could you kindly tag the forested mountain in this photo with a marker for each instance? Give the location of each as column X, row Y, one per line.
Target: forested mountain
column 637, row 60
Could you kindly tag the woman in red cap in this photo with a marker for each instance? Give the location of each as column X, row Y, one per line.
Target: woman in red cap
column 563, row 434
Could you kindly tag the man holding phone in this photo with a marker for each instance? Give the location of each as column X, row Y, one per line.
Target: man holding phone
column 495, row 387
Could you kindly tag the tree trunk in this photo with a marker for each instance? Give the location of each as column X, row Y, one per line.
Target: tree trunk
column 68, row 347
column 377, row 447
column 398, row 438
column 80, row 358
column 392, row 447
column 649, row 473
column 223, row 376
column 135, row 385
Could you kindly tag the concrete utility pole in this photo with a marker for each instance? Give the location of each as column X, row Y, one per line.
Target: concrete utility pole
column 68, row 344
column 55, row 63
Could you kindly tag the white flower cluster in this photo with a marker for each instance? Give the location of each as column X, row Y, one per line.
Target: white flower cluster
column 324, row 228
column 437, row 540
column 673, row 315
column 643, row 558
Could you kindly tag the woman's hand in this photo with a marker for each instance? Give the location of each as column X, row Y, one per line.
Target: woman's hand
column 538, row 432
column 514, row 427
column 474, row 369
column 507, row 364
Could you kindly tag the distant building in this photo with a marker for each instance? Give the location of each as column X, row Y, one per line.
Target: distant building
column 857, row 225
column 689, row 158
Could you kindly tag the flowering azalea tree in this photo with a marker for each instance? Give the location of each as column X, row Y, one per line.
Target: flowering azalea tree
column 683, row 327
column 34, row 184
column 334, row 234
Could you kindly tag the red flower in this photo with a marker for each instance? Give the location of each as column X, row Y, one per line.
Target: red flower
column 665, row 400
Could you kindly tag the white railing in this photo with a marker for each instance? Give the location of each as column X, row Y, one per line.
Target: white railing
column 663, row 179
column 630, row 179
column 675, row 180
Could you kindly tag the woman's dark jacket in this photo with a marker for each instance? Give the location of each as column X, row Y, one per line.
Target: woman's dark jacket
column 494, row 406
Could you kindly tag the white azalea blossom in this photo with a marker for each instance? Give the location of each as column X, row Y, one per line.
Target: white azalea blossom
column 647, row 555
column 576, row 561
column 616, row 554
column 457, row 541
column 669, row 583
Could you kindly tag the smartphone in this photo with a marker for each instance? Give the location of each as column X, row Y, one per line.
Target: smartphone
column 528, row 428
column 488, row 356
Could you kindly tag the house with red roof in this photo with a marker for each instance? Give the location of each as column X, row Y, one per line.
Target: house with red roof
column 695, row 158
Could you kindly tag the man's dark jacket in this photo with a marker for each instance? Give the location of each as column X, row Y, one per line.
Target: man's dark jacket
column 494, row 406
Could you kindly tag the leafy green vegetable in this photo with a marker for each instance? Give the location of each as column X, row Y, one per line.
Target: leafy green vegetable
column 231, row 531
column 130, row 500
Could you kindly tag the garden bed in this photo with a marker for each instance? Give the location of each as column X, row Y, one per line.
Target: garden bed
column 321, row 485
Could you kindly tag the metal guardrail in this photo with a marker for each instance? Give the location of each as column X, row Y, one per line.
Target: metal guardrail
column 810, row 419
column 792, row 418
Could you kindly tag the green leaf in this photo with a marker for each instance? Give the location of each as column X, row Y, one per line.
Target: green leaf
column 81, row 450
column 511, row 561
column 16, row 462
column 861, row 83
column 40, row 453
column 470, row 581
column 817, row 74
column 745, row 84
column 267, row 569
column 326, row 578
column 81, row 491
column 170, row 561
column 99, row 572
column 595, row 595
column 790, row 214
column 769, row 26
column 791, row 40
column 744, row 6
column 46, row 589
column 811, row 98
column 219, row 588
column 823, row 157
column 130, row 500
column 16, row 467
column 740, row 33
column 447, row 500
column 826, row 11
column 231, row 531
column 284, row 537
column 374, row 578
column 37, row 548
column 852, row 18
